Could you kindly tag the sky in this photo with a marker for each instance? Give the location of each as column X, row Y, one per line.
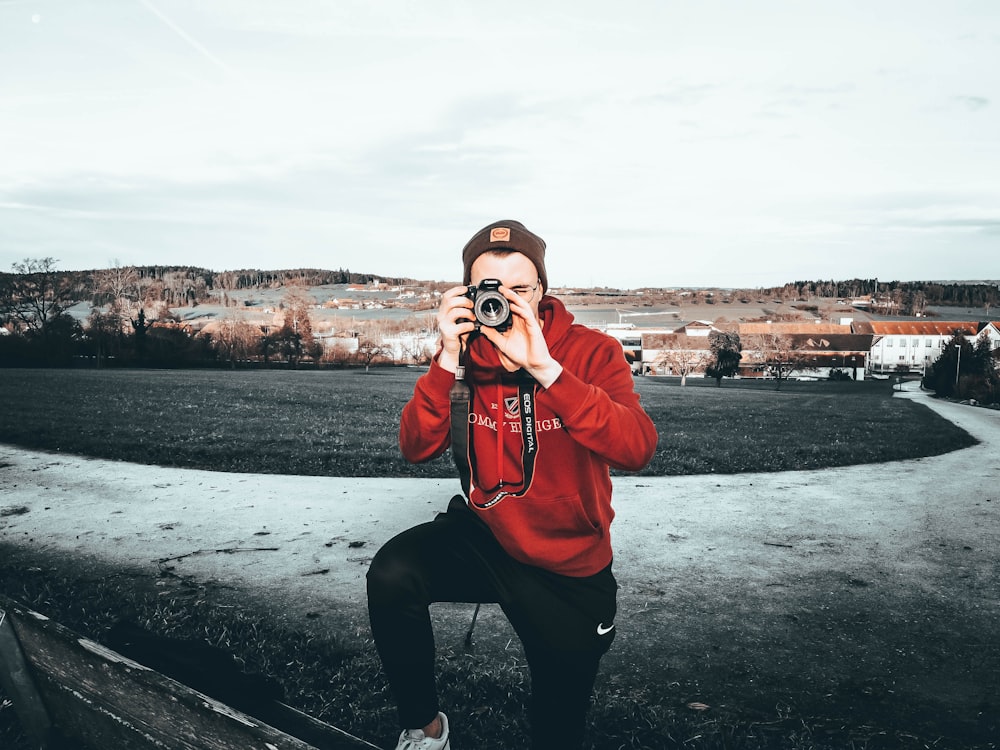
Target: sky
column 732, row 143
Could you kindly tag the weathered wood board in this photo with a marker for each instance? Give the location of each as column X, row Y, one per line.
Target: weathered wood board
column 66, row 686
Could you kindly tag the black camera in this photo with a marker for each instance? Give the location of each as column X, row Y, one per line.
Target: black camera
column 491, row 308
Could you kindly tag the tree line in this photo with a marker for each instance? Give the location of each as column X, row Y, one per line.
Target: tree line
column 965, row 370
column 179, row 286
column 131, row 322
column 898, row 297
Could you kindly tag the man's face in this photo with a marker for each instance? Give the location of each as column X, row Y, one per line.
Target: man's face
column 515, row 271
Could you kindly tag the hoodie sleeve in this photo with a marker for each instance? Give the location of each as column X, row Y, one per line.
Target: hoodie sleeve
column 600, row 409
column 425, row 427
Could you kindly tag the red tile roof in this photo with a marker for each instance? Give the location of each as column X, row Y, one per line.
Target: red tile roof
column 915, row 327
column 802, row 326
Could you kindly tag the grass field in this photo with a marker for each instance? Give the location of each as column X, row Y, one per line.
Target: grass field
column 344, row 422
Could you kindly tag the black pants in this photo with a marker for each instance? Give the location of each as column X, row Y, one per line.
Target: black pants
column 564, row 623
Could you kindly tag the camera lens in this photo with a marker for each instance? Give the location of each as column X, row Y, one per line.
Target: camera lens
column 492, row 309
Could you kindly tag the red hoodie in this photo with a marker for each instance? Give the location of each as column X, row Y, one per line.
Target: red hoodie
column 589, row 420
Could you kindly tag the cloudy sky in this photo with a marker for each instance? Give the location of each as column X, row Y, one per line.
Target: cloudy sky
column 650, row 142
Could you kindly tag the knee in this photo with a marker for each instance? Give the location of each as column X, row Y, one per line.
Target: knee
column 391, row 577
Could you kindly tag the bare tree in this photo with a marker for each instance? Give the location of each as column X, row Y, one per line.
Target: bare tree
column 416, row 350
column 119, row 285
column 369, row 350
column 34, row 296
column 685, row 356
column 236, row 340
column 337, row 354
column 295, row 337
column 776, row 355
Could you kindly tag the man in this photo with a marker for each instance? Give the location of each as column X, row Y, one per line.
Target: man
column 552, row 407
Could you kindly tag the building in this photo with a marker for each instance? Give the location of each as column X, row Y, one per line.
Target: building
column 904, row 346
column 634, row 342
column 805, row 355
column 801, row 349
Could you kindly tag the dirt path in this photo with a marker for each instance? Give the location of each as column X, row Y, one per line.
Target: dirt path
column 867, row 592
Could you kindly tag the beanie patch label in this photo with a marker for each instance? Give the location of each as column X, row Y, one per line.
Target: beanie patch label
column 500, row 234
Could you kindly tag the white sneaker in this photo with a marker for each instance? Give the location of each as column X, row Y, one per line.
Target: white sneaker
column 415, row 739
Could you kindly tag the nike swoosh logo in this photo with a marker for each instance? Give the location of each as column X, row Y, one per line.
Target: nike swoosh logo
column 601, row 630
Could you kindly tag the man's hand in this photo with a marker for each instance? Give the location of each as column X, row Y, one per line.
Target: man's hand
column 454, row 320
column 523, row 344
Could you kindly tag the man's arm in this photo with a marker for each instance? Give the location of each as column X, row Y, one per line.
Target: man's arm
column 600, row 409
column 425, row 427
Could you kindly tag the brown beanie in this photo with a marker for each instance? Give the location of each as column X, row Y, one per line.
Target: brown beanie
column 506, row 235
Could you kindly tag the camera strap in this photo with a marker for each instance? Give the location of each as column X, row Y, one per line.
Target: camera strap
column 459, row 396
column 461, row 438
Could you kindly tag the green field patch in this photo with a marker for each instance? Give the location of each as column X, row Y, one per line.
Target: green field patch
column 345, row 422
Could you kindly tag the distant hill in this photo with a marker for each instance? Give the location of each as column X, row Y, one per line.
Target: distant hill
column 188, row 285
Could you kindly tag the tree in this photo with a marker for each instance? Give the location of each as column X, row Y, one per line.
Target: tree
column 945, row 373
column 236, row 340
column 295, row 337
column 289, row 342
column 103, row 334
column 118, row 287
column 369, row 350
column 174, row 346
column 115, row 292
column 33, row 303
column 338, row 354
column 983, row 382
column 978, row 377
column 725, row 347
column 776, row 355
column 918, row 303
column 684, row 357
column 269, row 343
column 416, row 350
column 141, row 327
column 983, row 360
column 34, row 296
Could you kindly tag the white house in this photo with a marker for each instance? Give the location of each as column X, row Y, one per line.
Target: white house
column 913, row 346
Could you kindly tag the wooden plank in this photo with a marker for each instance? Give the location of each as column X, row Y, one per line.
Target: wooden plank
column 16, row 681
column 97, row 696
column 324, row 736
